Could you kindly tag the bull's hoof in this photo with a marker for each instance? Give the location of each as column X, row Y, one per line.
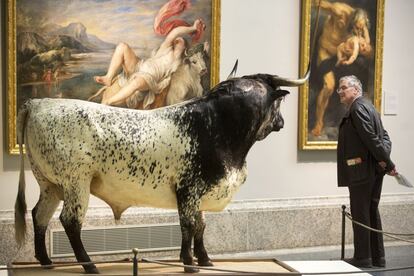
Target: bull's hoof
column 45, row 262
column 205, row 262
column 191, row 269
column 91, row 269
column 47, row 266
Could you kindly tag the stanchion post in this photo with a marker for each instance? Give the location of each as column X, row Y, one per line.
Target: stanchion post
column 135, row 262
column 343, row 233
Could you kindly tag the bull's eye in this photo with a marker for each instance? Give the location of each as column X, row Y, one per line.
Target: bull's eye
column 194, row 62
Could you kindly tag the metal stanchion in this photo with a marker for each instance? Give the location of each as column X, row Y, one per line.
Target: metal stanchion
column 135, row 262
column 343, row 233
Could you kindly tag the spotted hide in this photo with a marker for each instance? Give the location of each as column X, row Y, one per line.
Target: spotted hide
column 188, row 156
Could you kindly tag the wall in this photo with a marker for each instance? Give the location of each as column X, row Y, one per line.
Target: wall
column 264, row 36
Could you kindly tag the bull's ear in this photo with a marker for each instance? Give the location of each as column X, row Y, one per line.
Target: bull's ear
column 278, row 93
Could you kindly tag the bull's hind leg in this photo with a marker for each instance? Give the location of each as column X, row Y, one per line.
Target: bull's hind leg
column 76, row 199
column 199, row 249
column 41, row 214
column 187, row 209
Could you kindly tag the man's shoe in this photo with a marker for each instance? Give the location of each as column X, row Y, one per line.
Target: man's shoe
column 379, row 262
column 365, row 263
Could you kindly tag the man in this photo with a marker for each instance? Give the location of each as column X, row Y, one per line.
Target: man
column 363, row 158
column 334, row 32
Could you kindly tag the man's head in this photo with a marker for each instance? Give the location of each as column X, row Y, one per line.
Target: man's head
column 360, row 20
column 349, row 89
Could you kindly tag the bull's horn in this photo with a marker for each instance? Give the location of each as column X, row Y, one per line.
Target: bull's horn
column 233, row 72
column 279, row 81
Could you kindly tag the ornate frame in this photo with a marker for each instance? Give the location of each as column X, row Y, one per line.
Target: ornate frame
column 12, row 77
column 307, row 141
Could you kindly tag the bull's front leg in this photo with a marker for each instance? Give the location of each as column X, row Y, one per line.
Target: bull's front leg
column 188, row 205
column 199, row 250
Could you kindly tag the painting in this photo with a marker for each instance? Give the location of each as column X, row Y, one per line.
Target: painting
column 62, row 49
column 348, row 41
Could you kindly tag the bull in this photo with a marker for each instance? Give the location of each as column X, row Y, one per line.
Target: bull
column 189, row 156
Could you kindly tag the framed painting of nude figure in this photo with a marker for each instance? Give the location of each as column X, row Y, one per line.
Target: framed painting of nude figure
column 92, row 49
column 348, row 41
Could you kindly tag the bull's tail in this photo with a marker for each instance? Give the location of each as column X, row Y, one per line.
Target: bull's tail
column 20, row 205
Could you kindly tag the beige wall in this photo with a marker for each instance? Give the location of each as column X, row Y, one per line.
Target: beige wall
column 264, row 36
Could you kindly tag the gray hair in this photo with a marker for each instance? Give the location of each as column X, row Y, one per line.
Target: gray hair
column 354, row 82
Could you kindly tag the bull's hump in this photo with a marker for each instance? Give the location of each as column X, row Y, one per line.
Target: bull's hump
column 250, row 85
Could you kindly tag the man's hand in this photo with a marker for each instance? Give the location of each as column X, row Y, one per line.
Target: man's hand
column 392, row 172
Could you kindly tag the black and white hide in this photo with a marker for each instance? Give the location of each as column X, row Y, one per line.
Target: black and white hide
column 189, row 156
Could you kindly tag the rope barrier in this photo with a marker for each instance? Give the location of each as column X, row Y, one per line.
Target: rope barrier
column 388, row 234
column 197, row 267
column 63, row 264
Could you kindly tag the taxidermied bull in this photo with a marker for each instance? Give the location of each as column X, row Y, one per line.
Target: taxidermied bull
column 189, row 156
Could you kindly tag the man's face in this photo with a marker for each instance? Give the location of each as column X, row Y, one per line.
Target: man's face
column 360, row 24
column 347, row 93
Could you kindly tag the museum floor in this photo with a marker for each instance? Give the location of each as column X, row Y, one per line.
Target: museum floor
column 398, row 254
column 321, row 258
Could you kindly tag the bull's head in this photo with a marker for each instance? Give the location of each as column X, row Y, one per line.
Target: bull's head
column 272, row 119
column 196, row 57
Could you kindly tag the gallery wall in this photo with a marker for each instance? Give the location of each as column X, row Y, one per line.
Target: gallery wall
column 265, row 36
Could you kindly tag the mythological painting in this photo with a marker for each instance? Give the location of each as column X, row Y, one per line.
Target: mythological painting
column 348, row 41
column 65, row 49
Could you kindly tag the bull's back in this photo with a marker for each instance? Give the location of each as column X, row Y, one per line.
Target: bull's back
column 135, row 158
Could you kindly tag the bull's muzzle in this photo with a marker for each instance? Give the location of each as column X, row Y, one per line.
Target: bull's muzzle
column 279, row 123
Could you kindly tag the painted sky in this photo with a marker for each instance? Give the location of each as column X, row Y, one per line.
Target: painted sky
column 114, row 21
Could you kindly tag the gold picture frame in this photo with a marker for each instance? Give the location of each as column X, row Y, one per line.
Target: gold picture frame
column 314, row 109
column 27, row 16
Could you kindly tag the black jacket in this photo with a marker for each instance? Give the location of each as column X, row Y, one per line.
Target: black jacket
column 362, row 143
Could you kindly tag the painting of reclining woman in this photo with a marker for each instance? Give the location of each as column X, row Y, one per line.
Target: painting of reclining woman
column 123, row 53
column 346, row 42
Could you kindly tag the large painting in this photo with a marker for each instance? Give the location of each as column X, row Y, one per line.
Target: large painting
column 68, row 48
column 348, row 41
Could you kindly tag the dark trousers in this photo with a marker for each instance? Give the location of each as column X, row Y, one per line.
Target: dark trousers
column 364, row 201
